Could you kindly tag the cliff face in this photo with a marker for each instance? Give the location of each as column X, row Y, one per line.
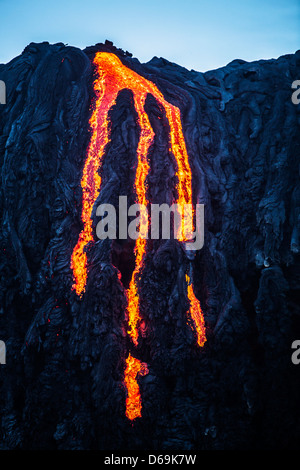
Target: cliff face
column 63, row 384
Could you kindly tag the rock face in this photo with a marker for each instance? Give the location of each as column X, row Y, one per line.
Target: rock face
column 63, row 384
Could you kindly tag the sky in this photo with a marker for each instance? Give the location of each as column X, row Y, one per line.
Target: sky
column 197, row 34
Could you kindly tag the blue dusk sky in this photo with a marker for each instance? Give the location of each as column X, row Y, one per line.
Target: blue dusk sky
column 197, row 34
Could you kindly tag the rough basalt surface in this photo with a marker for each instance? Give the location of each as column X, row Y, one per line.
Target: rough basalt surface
column 62, row 386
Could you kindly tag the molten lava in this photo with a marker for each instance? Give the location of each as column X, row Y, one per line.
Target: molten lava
column 196, row 313
column 112, row 77
column 134, row 367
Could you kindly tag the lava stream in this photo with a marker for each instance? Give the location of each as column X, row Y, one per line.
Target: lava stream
column 134, row 368
column 196, row 314
column 112, row 77
column 146, row 139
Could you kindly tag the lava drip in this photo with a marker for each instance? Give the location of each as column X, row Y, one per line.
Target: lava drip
column 134, row 368
column 196, row 313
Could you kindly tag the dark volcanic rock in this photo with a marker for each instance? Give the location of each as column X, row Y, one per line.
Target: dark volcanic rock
column 62, row 386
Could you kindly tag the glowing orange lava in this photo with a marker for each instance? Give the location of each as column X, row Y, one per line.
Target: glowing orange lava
column 196, row 314
column 112, row 77
column 134, row 367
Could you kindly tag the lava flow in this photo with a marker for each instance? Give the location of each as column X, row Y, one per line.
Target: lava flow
column 196, row 313
column 134, row 368
column 112, row 77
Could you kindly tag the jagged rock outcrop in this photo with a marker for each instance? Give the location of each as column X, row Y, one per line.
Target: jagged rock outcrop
column 62, row 386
